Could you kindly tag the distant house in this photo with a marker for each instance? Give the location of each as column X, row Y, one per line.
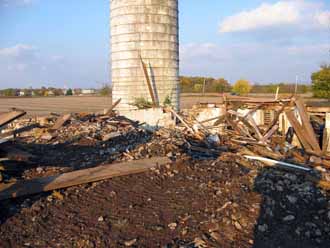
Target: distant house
column 76, row 92
column 88, row 91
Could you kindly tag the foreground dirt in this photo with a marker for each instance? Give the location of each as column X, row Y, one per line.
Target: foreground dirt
column 186, row 204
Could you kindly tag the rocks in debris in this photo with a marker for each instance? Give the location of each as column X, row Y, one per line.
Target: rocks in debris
column 263, row 228
column 289, row 218
column 130, row 242
column 172, row 226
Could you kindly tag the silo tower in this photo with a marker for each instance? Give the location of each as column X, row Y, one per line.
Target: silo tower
column 144, row 32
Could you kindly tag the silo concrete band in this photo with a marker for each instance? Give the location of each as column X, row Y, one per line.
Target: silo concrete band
column 146, row 28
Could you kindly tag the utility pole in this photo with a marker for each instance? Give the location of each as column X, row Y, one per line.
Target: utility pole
column 296, row 88
column 204, row 86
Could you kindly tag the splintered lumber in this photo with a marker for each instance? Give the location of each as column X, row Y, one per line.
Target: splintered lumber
column 276, row 119
column 38, row 185
column 181, row 120
column 249, row 122
column 61, row 121
column 307, row 125
column 109, row 110
column 269, row 133
column 151, row 91
column 6, row 118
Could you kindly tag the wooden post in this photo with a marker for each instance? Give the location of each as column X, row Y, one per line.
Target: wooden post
column 326, row 134
column 151, row 91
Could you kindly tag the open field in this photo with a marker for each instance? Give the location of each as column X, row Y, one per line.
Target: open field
column 67, row 104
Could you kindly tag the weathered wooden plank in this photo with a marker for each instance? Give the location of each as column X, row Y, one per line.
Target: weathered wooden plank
column 6, row 118
column 310, row 135
column 38, row 185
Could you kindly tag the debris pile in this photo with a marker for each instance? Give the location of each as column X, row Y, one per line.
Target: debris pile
column 236, row 174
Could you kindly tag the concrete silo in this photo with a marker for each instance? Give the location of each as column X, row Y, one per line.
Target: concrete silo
column 147, row 30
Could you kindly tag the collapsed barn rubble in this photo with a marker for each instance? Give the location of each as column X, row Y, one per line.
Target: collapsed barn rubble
column 240, row 173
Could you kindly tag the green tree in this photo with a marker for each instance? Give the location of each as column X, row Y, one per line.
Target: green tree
column 69, row 92
column 242, row 87
column 198, row 88
column 219, row 85
column 321, row 82
column 105, row 90
column 9, row 92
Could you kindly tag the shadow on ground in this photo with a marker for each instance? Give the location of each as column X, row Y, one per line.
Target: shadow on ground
column 50, row 159
column 294, row 212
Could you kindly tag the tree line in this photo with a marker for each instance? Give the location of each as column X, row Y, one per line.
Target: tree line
column 320, row 86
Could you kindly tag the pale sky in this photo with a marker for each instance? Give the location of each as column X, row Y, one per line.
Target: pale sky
column 66, row 43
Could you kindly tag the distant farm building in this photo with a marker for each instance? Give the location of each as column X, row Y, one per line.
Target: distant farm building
column 88, row 91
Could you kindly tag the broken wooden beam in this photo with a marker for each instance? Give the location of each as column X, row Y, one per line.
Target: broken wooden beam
column 38, row 185
column 6, row 118
column 109, row 110
column 181, row 120
column 61, row 121
column 269, row 134
column 276, row 119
